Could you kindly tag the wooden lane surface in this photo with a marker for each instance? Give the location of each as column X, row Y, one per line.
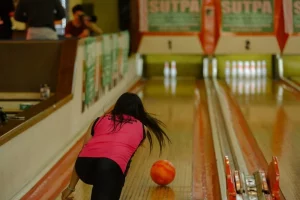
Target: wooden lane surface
column 275, row 126
column 205, row 174
column 296, row 80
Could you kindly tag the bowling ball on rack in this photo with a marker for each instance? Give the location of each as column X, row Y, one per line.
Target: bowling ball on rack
column 162, row 172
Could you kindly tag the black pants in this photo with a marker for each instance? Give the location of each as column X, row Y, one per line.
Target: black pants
column 104, row 174
column 6, row 33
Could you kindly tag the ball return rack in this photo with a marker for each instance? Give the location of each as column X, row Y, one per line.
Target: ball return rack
column 260, row 185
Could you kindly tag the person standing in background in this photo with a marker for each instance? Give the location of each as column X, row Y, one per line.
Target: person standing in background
column 90, row 22
column 77, row 27
column 6, row 11
column 40, row 16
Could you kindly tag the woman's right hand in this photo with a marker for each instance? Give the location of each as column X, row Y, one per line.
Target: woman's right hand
column 65, row 195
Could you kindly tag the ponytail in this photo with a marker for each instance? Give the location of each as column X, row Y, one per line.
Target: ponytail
column 154, row 126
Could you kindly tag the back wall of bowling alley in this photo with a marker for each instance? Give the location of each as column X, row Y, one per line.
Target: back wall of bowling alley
column 218, row 28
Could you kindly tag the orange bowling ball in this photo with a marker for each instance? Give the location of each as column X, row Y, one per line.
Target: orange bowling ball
column 162, row 172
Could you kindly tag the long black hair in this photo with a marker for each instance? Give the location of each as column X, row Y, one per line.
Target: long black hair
column 130, row 104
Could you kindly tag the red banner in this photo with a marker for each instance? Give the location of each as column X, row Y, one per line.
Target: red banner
column 209, row 34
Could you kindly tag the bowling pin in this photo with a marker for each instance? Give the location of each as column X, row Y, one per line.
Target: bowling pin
column 264, row 68
column 227, row 69
column 234, row 69
column 205, row 67
column 247, row 69
column 240, row 69
column 140, row 64
column 227, row 72
column 258, row 69
column 167, row 70
column 173, row 69
column 252, row 69
column 214, row 67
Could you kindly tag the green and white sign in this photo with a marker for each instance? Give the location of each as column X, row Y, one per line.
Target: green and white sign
column 125, row 44
column 107, row 60
column 296, row 16
column 247, row 16
column 115, row 51
column 170, row 15
column 90, row 64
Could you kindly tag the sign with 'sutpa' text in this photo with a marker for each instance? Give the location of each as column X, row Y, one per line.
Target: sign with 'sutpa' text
column 170, row 15
column 246, row 16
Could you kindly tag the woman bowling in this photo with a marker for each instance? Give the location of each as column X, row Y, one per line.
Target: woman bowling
column 110, row 143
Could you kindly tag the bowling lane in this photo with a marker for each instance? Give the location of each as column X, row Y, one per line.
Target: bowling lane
column 173, row 102
column 296, row 80
column 273, row 115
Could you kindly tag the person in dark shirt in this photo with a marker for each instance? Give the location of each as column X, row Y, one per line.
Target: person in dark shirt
column 6, row 11
column 40, row 16
column 77, row 27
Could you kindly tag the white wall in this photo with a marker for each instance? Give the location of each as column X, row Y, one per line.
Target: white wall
column 26, row 158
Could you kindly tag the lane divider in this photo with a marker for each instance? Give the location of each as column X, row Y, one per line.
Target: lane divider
column 235, row 145
column 216, row 141
column 205, row 178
